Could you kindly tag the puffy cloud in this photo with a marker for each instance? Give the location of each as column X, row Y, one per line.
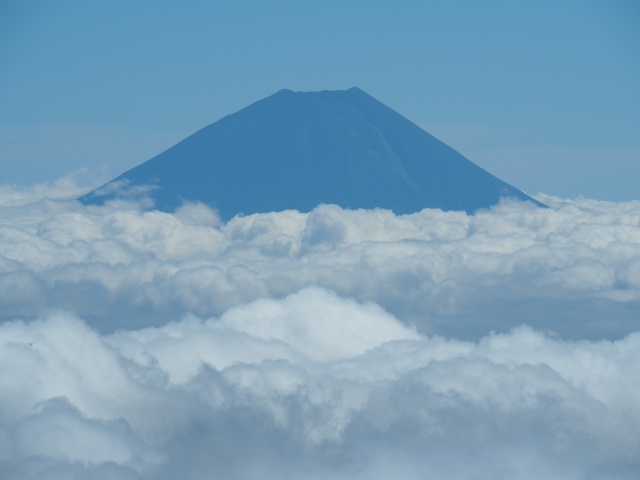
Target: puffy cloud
column 572, row 268
column 292, row 387
column 331, row 344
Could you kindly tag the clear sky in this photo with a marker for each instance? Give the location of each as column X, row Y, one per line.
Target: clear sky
column 545, row 94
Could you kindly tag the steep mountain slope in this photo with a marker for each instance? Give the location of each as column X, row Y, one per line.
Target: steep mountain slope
column 295, row 150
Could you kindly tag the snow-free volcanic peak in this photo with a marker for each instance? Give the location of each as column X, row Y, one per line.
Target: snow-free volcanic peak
column 296, row 150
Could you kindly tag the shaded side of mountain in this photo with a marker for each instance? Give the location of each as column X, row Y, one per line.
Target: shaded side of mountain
column 296, row 150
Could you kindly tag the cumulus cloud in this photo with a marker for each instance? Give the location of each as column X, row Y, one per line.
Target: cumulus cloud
column 332, row 344
column 289, row 388
column 572, row 268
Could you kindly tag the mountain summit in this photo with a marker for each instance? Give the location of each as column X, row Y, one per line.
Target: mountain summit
column 295, row 150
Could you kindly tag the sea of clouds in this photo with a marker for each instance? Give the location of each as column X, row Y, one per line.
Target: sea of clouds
column 333, row 344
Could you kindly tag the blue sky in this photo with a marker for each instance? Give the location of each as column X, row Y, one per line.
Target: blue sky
column 543, row 94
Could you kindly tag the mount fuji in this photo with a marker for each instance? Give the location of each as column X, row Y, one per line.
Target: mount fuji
column 296, row 150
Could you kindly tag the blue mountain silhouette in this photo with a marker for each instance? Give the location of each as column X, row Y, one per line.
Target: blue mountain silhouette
column 296, row 150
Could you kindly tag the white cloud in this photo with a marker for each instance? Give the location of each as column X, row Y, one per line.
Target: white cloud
column 289, row 345
column 65, row 188
column 561, row 268
column 231, row 398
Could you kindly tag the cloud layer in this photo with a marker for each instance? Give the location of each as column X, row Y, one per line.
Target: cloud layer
column 573, row 268
column 333, row 344
column 315, row 386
